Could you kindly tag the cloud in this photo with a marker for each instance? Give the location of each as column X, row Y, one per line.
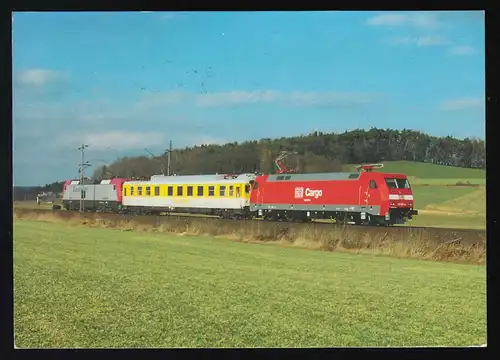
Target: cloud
column 230, row 98
column 415, row 19
column 117, row 140
column 38, row 77
column 430, row 40
column 462, row 103
column 206, row 140
column 462, row 50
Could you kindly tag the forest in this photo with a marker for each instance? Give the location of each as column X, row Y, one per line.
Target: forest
column 315, row 152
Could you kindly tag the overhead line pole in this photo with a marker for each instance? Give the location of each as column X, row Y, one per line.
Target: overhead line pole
column 169, row 157
column 83, row 164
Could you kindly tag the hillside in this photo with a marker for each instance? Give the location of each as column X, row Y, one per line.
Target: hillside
column 430, row 173
column 320, row 152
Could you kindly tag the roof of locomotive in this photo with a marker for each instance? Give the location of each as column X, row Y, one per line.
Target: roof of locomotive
column 326, row 176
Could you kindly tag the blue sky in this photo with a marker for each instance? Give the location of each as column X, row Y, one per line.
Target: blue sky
column 125, row 81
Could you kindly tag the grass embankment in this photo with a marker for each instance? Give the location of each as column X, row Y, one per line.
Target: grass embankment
column 104, row 288
column 468, row 247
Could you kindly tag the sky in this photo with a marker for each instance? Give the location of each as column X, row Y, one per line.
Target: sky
column 125, row 81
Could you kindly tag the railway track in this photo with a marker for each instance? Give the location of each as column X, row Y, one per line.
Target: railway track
column 64, row 213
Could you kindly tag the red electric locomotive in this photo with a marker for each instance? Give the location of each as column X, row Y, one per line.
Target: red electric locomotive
column 361, row 198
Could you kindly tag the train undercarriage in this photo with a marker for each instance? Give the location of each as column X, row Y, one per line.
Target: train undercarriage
column 396, row 215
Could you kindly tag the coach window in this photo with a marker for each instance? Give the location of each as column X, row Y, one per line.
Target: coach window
column 200, row 190
column 231, row 190
column 190, row 191
column 222, row 190
column 131, row 191
column 373, row 184
column 139, row 190
column 124, row 191
column 179, row 190
column 247, row 189
column 157, row 191
column 170, row 191
column 211, row 190
column 148, row 191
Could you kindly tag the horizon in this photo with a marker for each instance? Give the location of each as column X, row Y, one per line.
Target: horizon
column 125, row 81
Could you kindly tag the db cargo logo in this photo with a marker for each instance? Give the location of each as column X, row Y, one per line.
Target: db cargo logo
column 299, row 193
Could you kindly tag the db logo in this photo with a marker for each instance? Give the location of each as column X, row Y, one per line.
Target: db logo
column 299, row 192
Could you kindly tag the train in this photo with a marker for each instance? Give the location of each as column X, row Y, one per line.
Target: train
column 363, row 198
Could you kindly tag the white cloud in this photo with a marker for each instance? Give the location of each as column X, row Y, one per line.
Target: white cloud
column 206, row 140
column 38, row 77
column 413, row 19
column 462, row 103
column 296, row 98
column 430, row 40
column 462, row 50
column 117, row 140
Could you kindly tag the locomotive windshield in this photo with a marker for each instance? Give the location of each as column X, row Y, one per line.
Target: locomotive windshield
column 393, row 183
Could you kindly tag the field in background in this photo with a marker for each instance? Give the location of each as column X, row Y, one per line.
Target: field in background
column 419, row 170
column 79, row 287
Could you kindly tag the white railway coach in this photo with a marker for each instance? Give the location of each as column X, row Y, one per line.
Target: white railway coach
column 222, row 195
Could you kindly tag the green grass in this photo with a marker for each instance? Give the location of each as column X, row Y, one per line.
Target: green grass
column 33, row 205
column 444, row 220
column 104, row 288
column 431, row 171
column 427, row 195
column 450, row 206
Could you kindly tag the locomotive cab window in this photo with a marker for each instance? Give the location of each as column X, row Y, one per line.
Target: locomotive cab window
column 222, row 190
column 211, row 190
column 247, row 188
column 200, row 190
column 256, row 185
column 393, row 183
column 373, row 184
column 148, row 191
column 179, row 190
column 231, row 190
column 170, row 191
column 189, row 191
column 157, row 191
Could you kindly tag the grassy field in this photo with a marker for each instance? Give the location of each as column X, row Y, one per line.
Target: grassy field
column 79, row 287
column 428, row 171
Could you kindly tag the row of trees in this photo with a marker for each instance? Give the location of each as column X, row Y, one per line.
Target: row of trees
column 316, row 152
column 25, row 193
